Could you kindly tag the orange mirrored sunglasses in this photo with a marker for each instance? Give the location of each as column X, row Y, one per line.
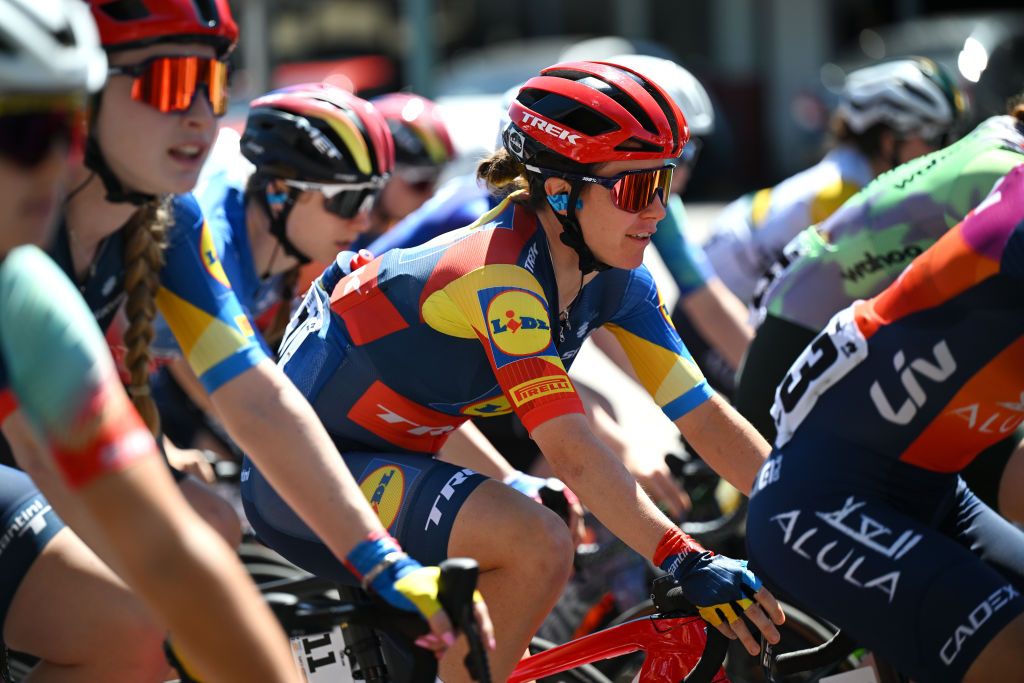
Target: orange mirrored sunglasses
column 169, row 84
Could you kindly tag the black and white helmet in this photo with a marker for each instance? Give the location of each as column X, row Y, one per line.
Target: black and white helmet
column 49, row 46
column 913, row 96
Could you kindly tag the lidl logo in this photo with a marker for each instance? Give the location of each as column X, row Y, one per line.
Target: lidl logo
column 518, row 323
column 208, row 253
column 385, row 489
column 488, row 407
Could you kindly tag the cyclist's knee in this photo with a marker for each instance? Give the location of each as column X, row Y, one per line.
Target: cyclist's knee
column 1003, row 657
column 213, row 509
column 549, row 543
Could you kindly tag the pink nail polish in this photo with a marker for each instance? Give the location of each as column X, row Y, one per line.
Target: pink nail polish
column 448, row 638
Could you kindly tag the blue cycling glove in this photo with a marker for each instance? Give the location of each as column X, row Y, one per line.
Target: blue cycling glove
column 381, row 566
column 722, row 588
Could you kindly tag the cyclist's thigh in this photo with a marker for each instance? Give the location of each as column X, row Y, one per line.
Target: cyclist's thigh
column 29, row 524
column 776, row 345
column 71, row 609
column 416, row 497
column 918, row 597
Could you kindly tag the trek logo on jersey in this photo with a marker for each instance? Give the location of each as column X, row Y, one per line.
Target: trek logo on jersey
column 384, row 488
column 447, row 491
column 938, row 372
column 998, row 599
column 549, row 128
column 208, row 255
column 517, row 323
column 542, row 386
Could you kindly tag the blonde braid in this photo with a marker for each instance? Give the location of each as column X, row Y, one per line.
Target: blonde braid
column 144, row 240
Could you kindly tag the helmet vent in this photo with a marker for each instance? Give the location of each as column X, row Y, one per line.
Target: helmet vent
column 637, row 145
column 566, row 112
column 125, row 10
column 207, row 11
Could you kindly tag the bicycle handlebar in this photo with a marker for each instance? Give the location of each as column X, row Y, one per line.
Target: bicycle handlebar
column 835, row 649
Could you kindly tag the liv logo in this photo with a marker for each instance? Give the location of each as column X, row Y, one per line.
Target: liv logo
column 937, row 372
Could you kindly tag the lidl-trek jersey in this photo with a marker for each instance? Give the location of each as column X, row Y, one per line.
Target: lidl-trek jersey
column 399, row 353
column 195, row 295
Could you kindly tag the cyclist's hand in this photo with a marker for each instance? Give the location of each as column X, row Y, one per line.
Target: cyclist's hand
column 723, row 589
column 191, row 461
column 656, row 479
column 553, row 494
column 404, row 583
column 419, row 587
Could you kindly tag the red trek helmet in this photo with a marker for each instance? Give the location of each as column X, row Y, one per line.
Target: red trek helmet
column 127, row 24
column 581, row 113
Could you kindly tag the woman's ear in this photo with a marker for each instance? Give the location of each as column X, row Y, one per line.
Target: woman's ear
column 277, row 194
column 556, row 186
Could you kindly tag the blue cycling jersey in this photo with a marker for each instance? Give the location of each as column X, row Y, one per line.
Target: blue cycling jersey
column 195, row 295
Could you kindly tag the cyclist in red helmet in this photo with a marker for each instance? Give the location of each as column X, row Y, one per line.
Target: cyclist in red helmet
column 485, row 320
column 128, row 237
column 423, row 146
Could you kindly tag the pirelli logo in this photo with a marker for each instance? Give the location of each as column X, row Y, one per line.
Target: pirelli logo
column 542, row 386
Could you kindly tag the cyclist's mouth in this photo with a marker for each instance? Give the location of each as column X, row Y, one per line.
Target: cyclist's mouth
column 188, row 153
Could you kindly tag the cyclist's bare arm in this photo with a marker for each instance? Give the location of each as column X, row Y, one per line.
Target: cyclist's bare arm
column 274, row 424
column 721, row 318
column 601, row 481
column 468, row 447
column 726, row 441
column 140, row 525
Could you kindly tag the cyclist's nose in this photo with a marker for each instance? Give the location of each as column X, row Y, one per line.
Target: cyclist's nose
column 200, row 112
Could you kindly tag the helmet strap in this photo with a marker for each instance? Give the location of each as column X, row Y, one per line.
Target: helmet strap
column 572, row 234
column 279, row 221
column 94, row 160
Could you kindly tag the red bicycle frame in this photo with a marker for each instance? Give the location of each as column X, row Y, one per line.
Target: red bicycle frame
column 672, row 646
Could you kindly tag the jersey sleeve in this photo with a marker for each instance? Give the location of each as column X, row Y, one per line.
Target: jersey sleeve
column 661, row 361
column 504, row 307
column 195, row 297
column 61, row 373
column 686, row 261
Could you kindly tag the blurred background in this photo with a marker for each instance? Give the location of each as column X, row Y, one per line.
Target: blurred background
column 772, row 67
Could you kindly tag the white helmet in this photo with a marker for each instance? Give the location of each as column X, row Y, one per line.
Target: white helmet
column 680, row 85
column 49, row 46
column 913, row 95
